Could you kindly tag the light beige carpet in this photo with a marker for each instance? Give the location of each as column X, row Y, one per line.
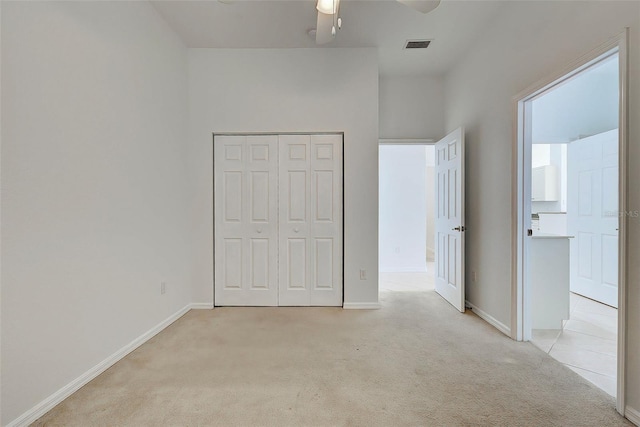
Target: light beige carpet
column 415, row 362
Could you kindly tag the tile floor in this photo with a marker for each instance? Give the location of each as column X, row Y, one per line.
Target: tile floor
column 588, row 342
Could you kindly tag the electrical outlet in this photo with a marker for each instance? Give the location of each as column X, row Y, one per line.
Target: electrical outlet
column 363, row 274
column 163, row 287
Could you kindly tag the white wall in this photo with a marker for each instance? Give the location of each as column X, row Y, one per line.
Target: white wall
column 0, row 216
column 94, row 213
column 411, row 107
column 289, row 90
column 403, row 208
column 430, row 151
column 527, row 42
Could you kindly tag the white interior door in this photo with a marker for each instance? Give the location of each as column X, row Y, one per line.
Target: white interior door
column 592, row 216
column 310, row 220
column 449, row 222
column 246, row 220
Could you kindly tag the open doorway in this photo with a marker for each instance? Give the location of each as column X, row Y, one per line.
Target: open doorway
column 573, row 257
column 422, row 217
column 569, row 260
column 407, row 217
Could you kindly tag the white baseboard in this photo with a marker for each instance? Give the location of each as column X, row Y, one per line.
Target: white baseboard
column 490, row 319
column 361, row 305
column 201, row 306
column 47, row 404
column 632, row 415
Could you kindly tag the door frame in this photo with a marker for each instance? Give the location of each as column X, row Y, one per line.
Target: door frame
column 213, row 195
column 521, row 195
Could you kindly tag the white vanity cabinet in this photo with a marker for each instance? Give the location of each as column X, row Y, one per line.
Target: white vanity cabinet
column 549, row 280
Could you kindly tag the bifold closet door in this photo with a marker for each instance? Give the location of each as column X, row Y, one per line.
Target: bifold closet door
column 310, row 216
column 246, row 220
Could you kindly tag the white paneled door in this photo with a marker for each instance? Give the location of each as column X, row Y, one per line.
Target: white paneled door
column 592, row 216
column 246, row 220
column 449, row 223
column 311, row 220
column 278, row 220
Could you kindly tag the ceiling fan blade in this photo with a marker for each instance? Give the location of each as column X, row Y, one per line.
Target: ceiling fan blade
column 323, row 28
column 424, row 6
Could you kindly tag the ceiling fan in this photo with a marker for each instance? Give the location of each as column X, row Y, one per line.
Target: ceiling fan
column 329, row 21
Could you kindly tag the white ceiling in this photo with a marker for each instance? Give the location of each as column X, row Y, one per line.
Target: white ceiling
column 384, row 24
column 585, row 105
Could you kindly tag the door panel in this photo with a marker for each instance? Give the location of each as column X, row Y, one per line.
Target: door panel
column 297, row 196
column 232, row 268
column 232, row 196
column 294, row 168
column 246, row 226
column 449, row 221
column 592, row 216
column 323, row 200
column 324, row 263
column 327, row 227
column 259, row 263
column 310, row 199
column 260, row 197
column 297, row 259
column 585, row 255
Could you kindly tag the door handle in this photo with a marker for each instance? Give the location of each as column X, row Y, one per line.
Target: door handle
column 461, row 228
column 295, row 230
column 259, row 230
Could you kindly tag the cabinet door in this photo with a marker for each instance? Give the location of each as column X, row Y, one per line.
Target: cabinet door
column 544, row 184
column 246, row 220
column 310, row 220
column 537, row 184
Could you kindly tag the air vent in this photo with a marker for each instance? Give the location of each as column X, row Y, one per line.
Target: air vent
column 417, row 44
